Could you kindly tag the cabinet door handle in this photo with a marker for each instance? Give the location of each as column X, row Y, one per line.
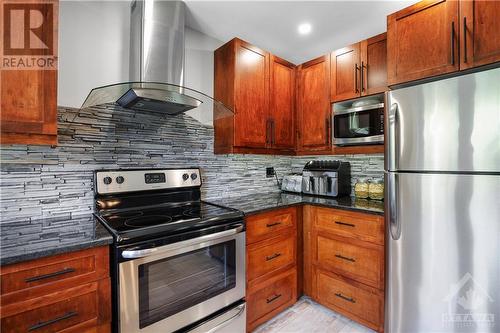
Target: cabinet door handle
column 345, row 258
column 465, row 39
column 49, row 275
column 272, row 298
column 362, row 77
column 52, row 321
column 273, row 256
column 267, row 132
column 273, row 134
column 345, row 224
column 345, row 298
column 269, row 225
column 327, row 125
column 452, row 37
column 356, row 68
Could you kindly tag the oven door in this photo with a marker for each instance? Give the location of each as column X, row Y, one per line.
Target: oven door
column 169, row 287
column 360, row 125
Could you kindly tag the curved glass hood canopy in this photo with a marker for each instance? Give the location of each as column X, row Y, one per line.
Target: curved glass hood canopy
column 160, row 97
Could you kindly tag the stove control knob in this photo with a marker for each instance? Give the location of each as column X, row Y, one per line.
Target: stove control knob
column 185, row 176
column 107, row 180
column 194, row 176
column 120, row 179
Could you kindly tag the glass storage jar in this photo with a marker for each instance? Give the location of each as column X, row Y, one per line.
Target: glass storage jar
column 361, row 188
column 376, row 189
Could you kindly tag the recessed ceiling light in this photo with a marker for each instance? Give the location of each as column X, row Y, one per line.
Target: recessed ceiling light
column 304, row 28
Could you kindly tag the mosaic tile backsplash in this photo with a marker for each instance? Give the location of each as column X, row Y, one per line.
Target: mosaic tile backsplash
column 41, row 181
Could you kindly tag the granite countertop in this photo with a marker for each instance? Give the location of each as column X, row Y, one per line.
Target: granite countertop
column 255, row 203
column 27, row 240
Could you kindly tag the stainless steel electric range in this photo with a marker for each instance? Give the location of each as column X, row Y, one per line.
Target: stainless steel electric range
column 178, row 263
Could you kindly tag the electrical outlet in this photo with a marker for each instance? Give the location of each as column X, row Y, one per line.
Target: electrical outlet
column 270, row 172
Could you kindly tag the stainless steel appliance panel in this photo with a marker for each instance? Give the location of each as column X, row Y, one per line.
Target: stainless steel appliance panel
column 447, row 125
column 443, row 243
column 129, row 277
column 231, row 321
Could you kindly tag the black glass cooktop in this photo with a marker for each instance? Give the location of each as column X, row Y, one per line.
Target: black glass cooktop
column 166, row 219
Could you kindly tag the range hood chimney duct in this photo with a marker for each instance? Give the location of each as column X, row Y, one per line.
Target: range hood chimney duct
column 157, row 41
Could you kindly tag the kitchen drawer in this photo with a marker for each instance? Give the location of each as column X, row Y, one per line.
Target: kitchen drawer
column 366, row 227
column 37, row 277
column 270, row 224
column 81, row 306
column 274, row 294
column 360, row 263
column 269, row 256
column 344, row 297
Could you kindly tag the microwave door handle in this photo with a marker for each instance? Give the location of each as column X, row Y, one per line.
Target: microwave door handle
column 134, row 254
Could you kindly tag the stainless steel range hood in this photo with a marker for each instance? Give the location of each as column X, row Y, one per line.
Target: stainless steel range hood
column 156, row 65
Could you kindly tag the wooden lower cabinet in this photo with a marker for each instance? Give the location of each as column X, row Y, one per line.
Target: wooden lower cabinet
column 354, row 300
column 271, row 264
column 344, row 262
column 270, row 297
column 63, row 293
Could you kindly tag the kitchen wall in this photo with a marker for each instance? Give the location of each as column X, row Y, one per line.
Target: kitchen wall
column 40, row 181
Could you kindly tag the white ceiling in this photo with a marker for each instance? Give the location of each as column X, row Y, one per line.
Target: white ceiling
column 272, row 25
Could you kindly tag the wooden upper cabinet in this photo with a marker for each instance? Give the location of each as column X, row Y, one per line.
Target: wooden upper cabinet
column 422, row 41
column 282, row 104
column 345, row 75
column 260, row 89
column 313, row 112
column 29, row 97
column 359, row 69
column 480, row 33
column 251, row 96
column 374, row 65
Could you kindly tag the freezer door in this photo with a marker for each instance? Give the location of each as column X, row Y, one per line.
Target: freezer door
column 447, row 125
column 443, row 253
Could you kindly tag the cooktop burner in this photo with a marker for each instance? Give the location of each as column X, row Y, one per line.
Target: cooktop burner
column 146, row 220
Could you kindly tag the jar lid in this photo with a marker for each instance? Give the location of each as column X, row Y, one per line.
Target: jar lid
column 378, row 181
column 363, row 180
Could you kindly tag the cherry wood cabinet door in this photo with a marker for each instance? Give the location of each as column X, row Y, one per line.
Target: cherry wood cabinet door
column 345, row 73
column 251, row 96
column 480, row 33
column 422, row 41
column 28, row 98
column 374, row 65
column 282, row 103
column 314, row 105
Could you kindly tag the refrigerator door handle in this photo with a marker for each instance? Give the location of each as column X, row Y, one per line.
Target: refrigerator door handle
column 391, row 137
column 392, row 213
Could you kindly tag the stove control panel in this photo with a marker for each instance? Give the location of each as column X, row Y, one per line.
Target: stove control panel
column 119, row 181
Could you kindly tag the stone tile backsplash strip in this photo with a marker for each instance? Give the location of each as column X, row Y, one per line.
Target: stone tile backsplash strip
column 41, row 181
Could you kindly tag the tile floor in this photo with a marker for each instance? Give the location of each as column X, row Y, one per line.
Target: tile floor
column 307, row 316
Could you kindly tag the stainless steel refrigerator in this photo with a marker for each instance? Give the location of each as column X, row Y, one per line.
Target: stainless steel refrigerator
column 443, row 206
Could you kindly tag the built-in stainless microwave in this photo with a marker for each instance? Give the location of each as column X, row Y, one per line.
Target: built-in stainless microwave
column 358, row 122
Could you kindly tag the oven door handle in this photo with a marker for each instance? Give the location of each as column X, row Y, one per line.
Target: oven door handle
column 134, row 254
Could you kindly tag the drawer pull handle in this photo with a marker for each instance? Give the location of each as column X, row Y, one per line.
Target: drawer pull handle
column 50, row 275
column 349, row 299
column 52, row 321
column 274, row 256
column 269, row 225
column 345, row 258
column 273, row 298
column 345, row 224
